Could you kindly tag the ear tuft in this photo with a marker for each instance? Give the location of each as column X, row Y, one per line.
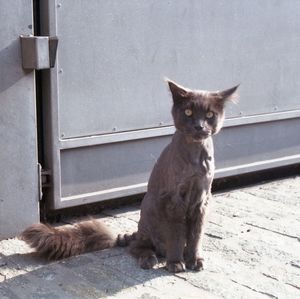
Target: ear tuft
column 178, row 92
column 229, row 94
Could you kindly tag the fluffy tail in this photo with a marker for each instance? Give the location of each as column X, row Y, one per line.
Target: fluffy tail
column 58, row 243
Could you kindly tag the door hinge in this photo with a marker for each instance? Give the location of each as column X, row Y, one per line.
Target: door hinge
column 38, row 52
column 44, row 180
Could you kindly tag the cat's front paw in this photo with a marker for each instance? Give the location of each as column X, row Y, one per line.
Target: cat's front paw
column 175, row 267
column 196, row 264
column 148, row 262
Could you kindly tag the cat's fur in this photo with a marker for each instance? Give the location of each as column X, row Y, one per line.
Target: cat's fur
column 174, row 207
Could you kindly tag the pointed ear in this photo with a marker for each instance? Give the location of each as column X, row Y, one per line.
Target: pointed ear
column 178, row 92
column 228, row 94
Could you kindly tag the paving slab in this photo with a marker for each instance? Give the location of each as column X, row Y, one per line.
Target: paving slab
column 251, row 250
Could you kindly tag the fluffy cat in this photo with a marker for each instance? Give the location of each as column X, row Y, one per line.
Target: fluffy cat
column 174, row 207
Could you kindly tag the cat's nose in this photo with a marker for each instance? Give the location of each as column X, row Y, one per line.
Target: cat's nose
column 199, row 127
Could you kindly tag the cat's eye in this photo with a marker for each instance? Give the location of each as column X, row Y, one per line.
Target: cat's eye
column 209, row 114
column 188, row 112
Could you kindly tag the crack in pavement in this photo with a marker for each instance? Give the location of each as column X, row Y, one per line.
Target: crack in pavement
column 254, row 290
column 293, row 285
column 213, row 236
column 270, row 276
column 273, row 231
column 190, row 282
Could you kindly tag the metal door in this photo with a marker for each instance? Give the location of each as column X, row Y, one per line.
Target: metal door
column 107, row 109
column 19, row 189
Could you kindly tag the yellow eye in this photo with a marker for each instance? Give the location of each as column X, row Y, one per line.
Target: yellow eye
column 209, row 114
column 188, row 112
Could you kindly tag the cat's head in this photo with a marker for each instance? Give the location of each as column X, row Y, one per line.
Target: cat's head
column 197, row 113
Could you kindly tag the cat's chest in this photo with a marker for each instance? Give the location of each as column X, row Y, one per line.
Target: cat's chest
column 196, row 178
column 197, row 168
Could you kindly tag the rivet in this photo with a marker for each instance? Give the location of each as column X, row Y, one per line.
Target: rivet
column 114, row 129
column 60, row 71
column 59, row 5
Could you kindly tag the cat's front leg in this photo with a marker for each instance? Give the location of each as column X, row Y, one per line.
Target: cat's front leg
column 195, row 230
column 175, row 232
column 175, row 247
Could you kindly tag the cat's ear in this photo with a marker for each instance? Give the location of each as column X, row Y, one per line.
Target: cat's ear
column 228, row 94
column 178, row 92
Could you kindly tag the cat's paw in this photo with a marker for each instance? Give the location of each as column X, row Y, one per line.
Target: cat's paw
column 148, row 262
column 196, row 265
column 175, row 267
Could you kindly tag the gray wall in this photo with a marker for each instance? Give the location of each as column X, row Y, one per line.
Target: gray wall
column 18, row 154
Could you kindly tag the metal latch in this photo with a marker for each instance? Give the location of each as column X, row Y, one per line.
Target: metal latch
column 38, row 52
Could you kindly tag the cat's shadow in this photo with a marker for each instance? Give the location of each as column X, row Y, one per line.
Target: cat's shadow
column 104, row 272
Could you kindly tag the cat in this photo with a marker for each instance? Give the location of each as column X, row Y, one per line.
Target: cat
column 173, row 210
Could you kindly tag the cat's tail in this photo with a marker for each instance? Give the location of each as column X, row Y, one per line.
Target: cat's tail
column 63, row 242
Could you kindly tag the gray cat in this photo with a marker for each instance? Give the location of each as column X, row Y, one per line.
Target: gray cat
column 174, row 207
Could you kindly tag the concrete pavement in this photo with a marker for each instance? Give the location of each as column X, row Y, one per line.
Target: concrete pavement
column 251, row 250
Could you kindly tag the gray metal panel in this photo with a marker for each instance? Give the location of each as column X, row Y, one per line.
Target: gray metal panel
column 108, row 166
column 126, row 47
column 256, row 143
column 106, row 92
column 95, row 173
column 18, row 153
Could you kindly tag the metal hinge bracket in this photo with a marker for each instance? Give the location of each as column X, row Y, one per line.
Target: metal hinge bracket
column 38, row 52
column 44, row 179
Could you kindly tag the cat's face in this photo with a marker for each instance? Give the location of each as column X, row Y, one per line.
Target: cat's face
column 198, row 114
